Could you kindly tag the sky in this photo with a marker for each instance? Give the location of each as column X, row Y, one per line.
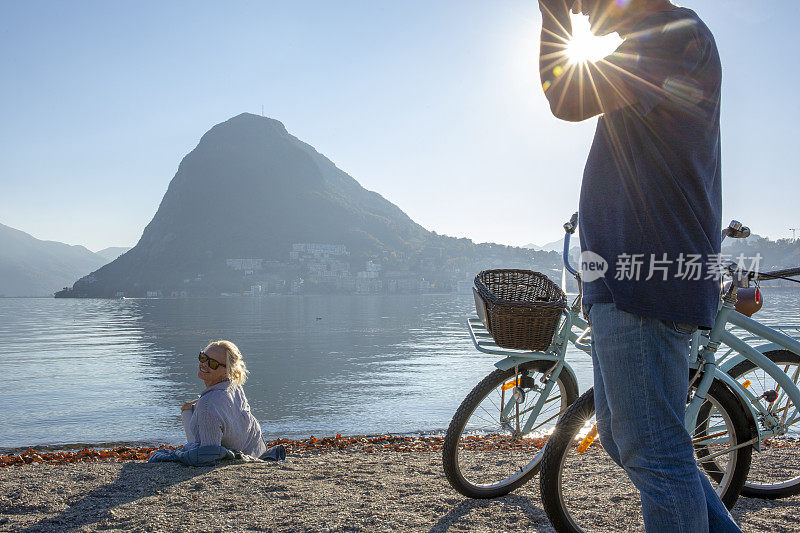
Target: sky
column 436, row 105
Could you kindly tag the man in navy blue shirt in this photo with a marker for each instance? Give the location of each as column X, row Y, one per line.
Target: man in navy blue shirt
column 650, row 210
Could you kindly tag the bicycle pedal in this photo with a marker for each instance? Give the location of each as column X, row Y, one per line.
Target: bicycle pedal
column 770, row 395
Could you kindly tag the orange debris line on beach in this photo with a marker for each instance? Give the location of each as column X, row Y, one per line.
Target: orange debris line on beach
column 369, row 443
column 404, row 444
column 117, row 453
column 362, row 443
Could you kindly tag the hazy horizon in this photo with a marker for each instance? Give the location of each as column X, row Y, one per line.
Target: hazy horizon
column 435, row 107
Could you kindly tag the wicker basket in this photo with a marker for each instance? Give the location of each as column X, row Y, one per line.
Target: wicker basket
column 522, row 308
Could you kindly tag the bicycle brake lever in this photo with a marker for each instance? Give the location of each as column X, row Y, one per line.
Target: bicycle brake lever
column 570, row 226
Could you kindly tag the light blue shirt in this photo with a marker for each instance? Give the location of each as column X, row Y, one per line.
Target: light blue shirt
column 221, row 417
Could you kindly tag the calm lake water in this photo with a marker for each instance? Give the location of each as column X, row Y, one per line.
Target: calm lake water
column 97, row 371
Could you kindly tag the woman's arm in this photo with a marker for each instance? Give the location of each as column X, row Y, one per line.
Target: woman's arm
column 187, row 410
column 186, row 417
column 209, row 423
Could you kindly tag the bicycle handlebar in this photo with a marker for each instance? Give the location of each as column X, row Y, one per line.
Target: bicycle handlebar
column 736, row 229
column 570, row 226
column 776, row 274
column 569, row 229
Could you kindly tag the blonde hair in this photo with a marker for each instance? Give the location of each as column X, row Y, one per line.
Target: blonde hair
column 234, row 364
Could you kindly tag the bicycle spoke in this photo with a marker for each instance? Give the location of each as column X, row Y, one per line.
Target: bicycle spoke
column 548, row 420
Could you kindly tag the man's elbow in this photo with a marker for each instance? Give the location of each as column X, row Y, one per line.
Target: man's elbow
column 569, row 116
column 566, row 112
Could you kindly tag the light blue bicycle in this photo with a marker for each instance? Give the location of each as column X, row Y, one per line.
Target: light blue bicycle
column 494, row 442
column 743, row 397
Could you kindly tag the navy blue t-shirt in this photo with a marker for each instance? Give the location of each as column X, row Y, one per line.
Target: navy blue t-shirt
column 652, row 182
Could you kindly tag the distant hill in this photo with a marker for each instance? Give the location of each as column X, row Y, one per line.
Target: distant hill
column 247, row 193
column 738, row 243
column 32, row 267
column 112, row 252
column 556, row 246
column 783, row 253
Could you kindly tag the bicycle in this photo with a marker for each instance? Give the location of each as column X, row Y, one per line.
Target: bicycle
column 725, row 419
column 759, row 374
column 494, row 443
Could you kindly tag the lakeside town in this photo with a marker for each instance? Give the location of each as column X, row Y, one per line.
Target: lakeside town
column 319, row 268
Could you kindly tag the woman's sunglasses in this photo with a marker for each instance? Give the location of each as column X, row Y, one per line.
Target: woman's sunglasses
column 213, row 364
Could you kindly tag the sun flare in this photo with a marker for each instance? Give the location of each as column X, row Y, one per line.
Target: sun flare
column 585, row 47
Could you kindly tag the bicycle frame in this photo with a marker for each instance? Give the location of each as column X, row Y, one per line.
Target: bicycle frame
column 555, row 353
column 719, row 335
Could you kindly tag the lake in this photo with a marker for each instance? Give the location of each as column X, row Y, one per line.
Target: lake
column 101, row 371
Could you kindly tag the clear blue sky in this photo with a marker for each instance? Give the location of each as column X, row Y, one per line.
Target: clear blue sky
column 435, row 105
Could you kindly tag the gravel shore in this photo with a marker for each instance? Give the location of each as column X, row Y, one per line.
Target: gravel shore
column 329, row 491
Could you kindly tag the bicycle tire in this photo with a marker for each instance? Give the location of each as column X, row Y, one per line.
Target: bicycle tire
column 612, row 503
column 770, row 476
column 491, row 462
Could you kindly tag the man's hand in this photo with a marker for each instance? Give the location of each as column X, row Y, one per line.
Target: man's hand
column 576, row 92
column 188, row 406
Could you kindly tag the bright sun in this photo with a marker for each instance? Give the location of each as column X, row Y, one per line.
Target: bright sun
column 585, row 46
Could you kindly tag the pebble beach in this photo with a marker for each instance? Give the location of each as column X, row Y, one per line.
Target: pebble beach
column 371, row 486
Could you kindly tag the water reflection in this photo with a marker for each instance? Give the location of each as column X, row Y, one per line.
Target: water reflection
column 111, row 370
column 325, row 364
column 103, row 370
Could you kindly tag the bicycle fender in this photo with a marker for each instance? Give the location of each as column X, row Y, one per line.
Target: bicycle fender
column 728, row 365
column 512, row 361
column 749, row 411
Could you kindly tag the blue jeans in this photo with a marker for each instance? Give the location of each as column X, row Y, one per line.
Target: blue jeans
column 641, row 376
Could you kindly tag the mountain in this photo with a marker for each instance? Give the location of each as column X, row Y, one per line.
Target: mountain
column 555, row 246
column 32, row 267
column 112, row 252
column 558, row 246
column 738, row 243
column 246, row 194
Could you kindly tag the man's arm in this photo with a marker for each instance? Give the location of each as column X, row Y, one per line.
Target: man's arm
column 576, row 92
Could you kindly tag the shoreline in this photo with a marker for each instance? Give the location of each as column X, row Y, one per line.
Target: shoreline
column 337, row 441
column 298, row 442
column 81, row 453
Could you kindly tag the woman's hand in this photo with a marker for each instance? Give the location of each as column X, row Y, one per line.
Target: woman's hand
column 188, row 406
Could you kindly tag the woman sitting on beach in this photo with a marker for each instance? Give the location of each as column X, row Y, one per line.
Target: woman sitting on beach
column 221, row 416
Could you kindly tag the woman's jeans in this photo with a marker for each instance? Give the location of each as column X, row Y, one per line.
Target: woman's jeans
column 641, row 376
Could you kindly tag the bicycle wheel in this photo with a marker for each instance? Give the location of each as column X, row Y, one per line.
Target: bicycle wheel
column 487, row 453
column 775, row 471
column 584, row 490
